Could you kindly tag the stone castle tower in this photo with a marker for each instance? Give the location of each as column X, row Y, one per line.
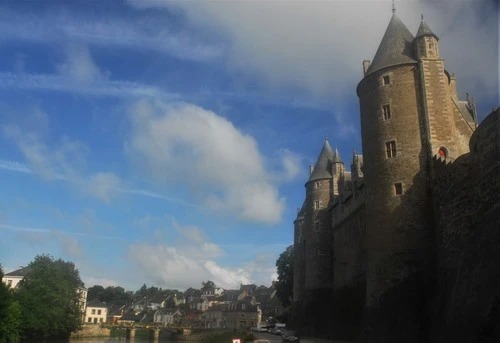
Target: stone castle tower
column 409, row 113
column 368, row 242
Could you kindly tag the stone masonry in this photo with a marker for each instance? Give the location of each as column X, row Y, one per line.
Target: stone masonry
column 404, row 247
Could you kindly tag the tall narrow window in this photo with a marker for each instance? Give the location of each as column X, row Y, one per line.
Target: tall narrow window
column 316, row 226
column 386, row 80
column 390, row 149
column 316, row 204
column 398, row 188
column 387, row 112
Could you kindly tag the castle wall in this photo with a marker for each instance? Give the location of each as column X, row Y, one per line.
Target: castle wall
column 467, row 196
column 349, row 228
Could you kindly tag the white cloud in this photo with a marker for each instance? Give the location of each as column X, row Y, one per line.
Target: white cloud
column 174, row 267
column 64, row 160
column 185, row 143
column 101, row 185
column 291, row 163
column 146, row 33
column 79, row 65
column 193, row 258
column 60, row 83
column 318, row 47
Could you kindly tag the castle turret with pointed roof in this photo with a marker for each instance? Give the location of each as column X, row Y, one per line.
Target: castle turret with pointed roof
column 368, row 241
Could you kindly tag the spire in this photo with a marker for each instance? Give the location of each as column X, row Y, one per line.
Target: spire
column 393, row 8
column 424, row 29
column 322, row 168
column 336, row 157
column 395, row 47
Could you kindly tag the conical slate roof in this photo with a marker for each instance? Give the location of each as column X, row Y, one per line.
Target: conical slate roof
column 336, row 157
column 395, row 48
column 323, row 166
column 424, row 30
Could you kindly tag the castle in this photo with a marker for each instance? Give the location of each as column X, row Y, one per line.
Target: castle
column 404, row 246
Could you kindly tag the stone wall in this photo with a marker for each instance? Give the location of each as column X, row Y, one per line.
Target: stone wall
column 467, row 196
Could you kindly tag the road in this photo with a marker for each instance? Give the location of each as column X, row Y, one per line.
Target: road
column 267, row 338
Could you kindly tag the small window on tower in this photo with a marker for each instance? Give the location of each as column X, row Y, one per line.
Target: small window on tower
column 398, row 188
column 317, row 184
column 316, row 226
column 316, row 204
column 390, row 149
column 387, row 112
column 386, row 79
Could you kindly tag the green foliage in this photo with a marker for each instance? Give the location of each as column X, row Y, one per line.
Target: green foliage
column 10, row 315
column 49, row 299
column 284, row 286
column 111, row 295
column 207, row 285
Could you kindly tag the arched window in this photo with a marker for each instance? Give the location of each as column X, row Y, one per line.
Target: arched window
column 443, row 152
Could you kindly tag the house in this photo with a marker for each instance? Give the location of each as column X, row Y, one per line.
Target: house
column 212, row 292
column 13, row 278
column 173, row 299
column 96, row 312
column 129, row 318
column 214, row 317
column 167, row 316
column 241, row 315
column 115, row 313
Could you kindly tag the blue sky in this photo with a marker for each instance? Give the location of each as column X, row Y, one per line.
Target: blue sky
column 168, row 143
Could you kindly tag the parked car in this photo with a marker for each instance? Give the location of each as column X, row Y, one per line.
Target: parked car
column 289, row 336
column 262, row 329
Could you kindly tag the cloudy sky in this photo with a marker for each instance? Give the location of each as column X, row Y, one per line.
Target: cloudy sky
column 168, row 142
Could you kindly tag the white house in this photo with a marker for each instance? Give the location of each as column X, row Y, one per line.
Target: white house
column 167, row 316
column 96, row 312
column 13, row 278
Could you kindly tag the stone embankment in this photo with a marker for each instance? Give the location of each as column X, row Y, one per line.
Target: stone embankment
column 91, row 331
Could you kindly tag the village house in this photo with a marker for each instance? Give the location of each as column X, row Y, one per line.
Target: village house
column 167, row 316
column 96, row 312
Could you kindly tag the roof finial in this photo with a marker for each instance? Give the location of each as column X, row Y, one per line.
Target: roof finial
column 422, row 16
column 326, row 136
column 393, row 7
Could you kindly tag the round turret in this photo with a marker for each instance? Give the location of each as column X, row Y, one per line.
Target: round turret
column 393, row 131
column 317, row 233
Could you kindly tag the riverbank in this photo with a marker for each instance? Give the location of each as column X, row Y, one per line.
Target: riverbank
column 90, row 331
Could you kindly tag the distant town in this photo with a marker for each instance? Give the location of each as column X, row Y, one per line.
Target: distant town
column 249, row 306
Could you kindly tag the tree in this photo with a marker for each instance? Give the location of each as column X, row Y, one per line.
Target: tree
column 207, row 285
column 284, row 286
column 49, row 299
column 10, row 314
